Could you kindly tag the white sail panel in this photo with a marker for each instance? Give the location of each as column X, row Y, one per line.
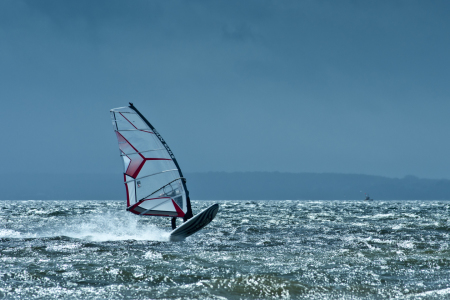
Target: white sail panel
column 124, row 124
column 140, row 143
column 153, row 181
column 164, row 204
column 129, row 120
column 134, row 160
column 126, row 163
column 158, row 185
column 161, row 206
column 154, row 167
column 131, row 190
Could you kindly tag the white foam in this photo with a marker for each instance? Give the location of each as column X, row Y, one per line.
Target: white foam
column 406, row 245
column 94, row 227
column 153, row 255
column 442, row 292
column 110, row 227
column 377, row 216
column 8, row 233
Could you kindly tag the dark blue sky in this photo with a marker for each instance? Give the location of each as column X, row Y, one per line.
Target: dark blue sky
column 289, row 86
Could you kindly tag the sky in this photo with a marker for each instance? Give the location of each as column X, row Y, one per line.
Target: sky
column 289, row 86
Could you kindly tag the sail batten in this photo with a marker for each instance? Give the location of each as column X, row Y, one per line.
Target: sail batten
column 162, row 187
column 152, row 175
column 150, row 168
column 125, row 154
column 155, row 206
column 135, row 130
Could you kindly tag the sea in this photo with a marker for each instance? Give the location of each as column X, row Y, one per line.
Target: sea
column 252, row 250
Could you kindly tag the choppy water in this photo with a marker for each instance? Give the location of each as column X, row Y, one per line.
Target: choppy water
column 252, row 250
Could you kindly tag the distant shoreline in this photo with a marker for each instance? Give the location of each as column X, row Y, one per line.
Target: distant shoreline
column 231, row 186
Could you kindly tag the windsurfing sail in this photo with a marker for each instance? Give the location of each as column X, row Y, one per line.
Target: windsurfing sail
column 154, row 182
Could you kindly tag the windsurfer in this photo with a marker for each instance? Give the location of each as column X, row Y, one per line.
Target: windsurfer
column 173, row 196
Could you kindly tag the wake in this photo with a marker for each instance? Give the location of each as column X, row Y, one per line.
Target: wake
column 92, row 227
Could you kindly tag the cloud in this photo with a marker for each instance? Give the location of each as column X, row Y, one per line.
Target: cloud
column 262, row 85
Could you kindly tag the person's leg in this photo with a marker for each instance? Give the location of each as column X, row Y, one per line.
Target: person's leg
column 174, row 223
